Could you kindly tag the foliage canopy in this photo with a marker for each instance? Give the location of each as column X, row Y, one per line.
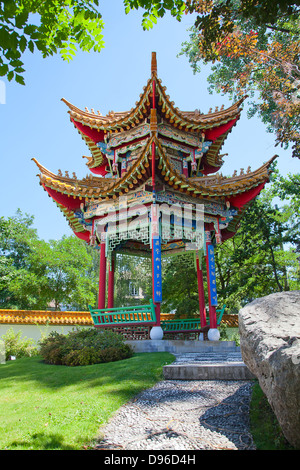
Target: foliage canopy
column 60, row 26
column 36, row 273
column 254, row 49
column 263, row 257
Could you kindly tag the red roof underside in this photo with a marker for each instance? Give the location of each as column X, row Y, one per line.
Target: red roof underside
column 67, row 201
column 83, row 235
column 241, row 199
column 98, row 136
column 208, row 169
column 94, row 134
column 215, row 132
column 226, row 234
column 100, row 170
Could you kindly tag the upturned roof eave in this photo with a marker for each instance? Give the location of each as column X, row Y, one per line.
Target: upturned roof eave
column 115, row 120
column 99, row 188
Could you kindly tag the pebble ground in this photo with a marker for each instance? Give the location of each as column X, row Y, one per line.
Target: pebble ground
column 183, row 415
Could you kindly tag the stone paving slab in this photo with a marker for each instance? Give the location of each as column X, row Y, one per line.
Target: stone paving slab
column 183, row 346
column 221, row 371
column 211, row 357
column 183, row 415
column 208, row 366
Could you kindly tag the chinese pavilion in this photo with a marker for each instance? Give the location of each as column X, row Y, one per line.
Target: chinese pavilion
column 154, row 190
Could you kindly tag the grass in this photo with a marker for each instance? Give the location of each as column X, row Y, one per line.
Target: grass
column 265, row 429
column 49, row 407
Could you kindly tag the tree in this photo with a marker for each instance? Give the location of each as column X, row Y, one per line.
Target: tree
column 155, row 9
column 254, row 49
column 288, row 190
column 49, row 26
column 261, row 258
column 16, row 237
column 136, row 270
column 59, row 271
column 35, row 273
column 59, row 26
column 180, row 289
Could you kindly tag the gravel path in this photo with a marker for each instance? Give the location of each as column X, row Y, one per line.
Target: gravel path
column 183, row 415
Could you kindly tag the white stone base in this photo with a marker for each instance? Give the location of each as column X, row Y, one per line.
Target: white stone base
column 156, row 332
column 213, row 334
column 201, row 337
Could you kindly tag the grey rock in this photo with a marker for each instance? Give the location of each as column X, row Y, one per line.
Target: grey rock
column 270, row 346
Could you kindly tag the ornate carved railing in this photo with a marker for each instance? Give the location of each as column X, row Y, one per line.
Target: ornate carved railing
column 188, row 324
column 42, row 317
column 134, row 315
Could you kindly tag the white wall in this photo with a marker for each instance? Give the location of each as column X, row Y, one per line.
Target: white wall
column 35, row 332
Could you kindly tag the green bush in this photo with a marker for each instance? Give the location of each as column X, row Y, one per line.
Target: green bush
column 17, row 346
column 223, row 330
column 82, row 347
column 227, row 335
column 53, row 348
column 115, row 353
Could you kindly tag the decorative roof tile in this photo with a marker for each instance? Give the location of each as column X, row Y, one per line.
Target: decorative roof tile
column 42, row 317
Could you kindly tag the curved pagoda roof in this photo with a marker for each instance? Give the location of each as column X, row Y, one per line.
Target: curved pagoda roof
column 73, row 196
column 70, row 193
column 93, row 127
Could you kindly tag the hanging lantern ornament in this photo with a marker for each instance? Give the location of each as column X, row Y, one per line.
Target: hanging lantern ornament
column 93, row 239
column 194, row 164
column 115, row 165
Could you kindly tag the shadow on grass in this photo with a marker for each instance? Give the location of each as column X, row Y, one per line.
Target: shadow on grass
column 83, row 394
column 41, row 441
column 142, row 367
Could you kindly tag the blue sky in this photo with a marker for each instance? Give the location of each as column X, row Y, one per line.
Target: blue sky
column 35, row 123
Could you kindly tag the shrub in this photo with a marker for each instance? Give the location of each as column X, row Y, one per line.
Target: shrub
column 53, row 348
column 112, row 354
column 82, row 347
column 17, row 346
column 223, row 332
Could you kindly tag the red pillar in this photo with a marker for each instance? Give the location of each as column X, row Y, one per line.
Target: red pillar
column 156, row 248
column 156, row 263
column 201, row 294
column 157, row 314
column 111, row 278
column 212, row 308
column 153, row 128
column 102, row 274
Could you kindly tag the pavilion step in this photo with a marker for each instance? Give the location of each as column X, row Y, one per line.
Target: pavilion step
column 213, row 357
column 209, row 366
column 181, row 347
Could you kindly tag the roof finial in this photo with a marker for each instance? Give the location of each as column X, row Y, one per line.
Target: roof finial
column 153, row 63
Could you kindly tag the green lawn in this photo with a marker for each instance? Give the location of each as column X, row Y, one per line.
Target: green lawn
column 57, row 407
column 47, row 407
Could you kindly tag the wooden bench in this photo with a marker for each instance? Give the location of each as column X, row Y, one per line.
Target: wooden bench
column 188, row 327
column 135, row 321
column 133, row 315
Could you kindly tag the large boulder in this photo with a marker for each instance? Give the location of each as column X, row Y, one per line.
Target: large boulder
column 270, row 345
